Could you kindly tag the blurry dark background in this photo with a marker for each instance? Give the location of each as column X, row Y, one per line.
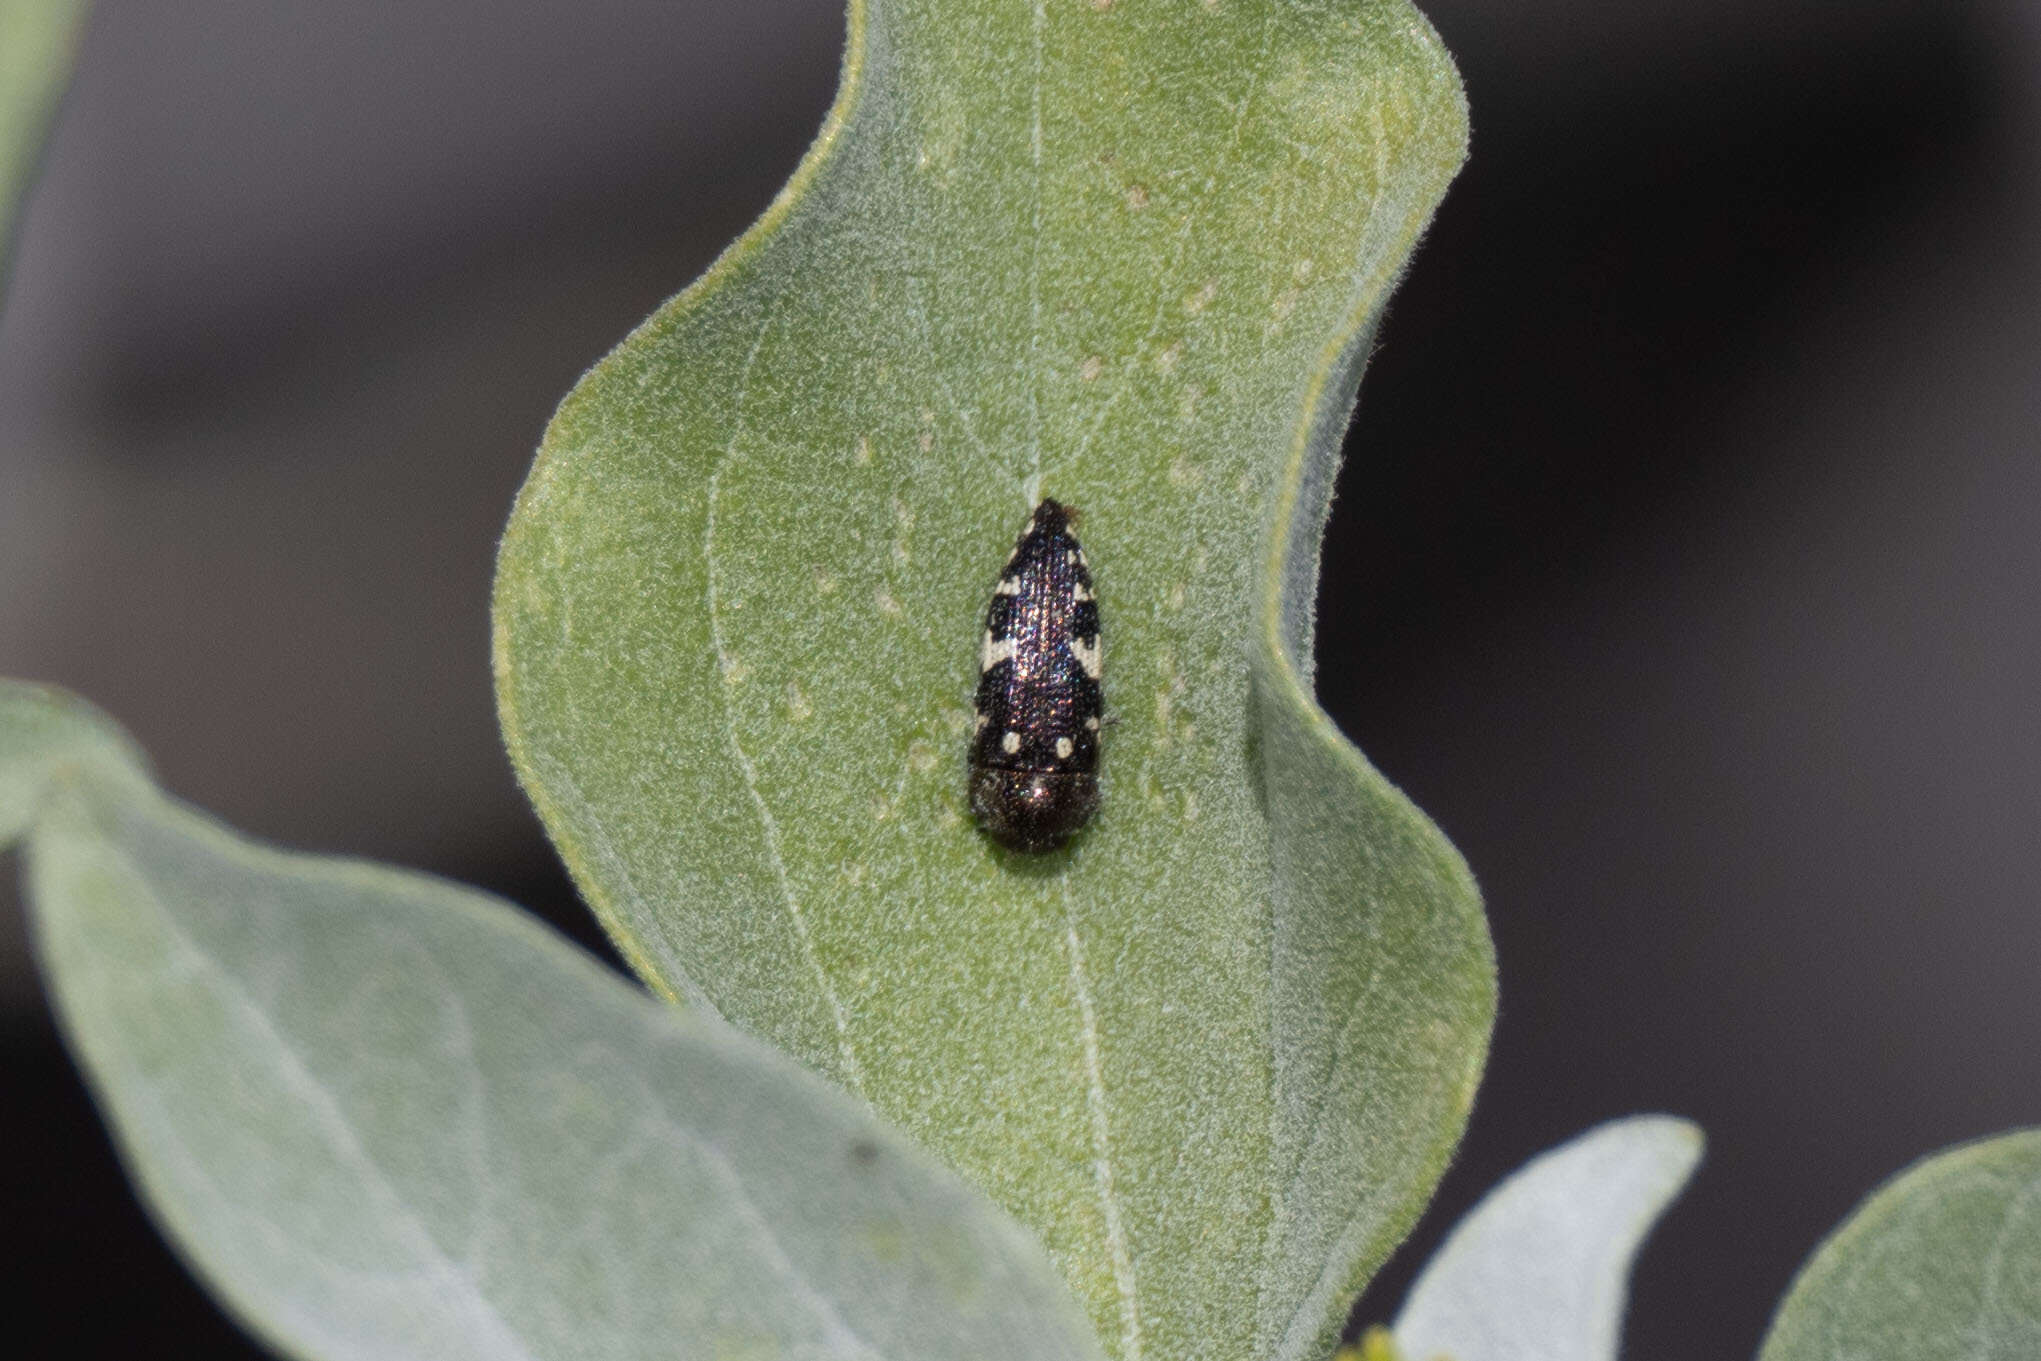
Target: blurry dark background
column 1685, row 568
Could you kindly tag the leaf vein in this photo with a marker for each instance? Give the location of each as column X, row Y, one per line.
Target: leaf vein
column 1034, row 489
column 852, row 1075
column 1102, row 1140
column 317, row 1102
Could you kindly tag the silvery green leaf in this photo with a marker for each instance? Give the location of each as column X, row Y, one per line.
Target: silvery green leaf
column 1943, row 1263
column 45, row 732
column 1539, row 1270
column 385, row 1117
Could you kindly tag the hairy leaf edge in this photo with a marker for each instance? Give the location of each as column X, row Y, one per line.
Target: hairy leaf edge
column 850, row 89
column 1871, row 1214
column 1294, row 533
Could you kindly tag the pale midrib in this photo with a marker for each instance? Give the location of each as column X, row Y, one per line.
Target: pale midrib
column 1102, row 1140
column 853, row 1076
column 1041, row 23
column 319, row 1105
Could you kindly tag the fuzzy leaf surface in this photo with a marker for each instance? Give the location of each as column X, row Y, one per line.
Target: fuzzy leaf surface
column 385, row 1117
column 1129, row 256
column 1539, row 1270
column 1942, row 1263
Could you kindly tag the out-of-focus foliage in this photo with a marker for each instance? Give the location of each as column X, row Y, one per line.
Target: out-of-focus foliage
column 386, row 1117
column 1540, row 1268
column 36, row 41
column 1943, row 1263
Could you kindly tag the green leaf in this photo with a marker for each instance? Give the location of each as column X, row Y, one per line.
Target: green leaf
column 1539, row 1270
column 1129, row 256
column 36, row 42
column 1942, row 1263
column 386, row 1117
column 45, row 732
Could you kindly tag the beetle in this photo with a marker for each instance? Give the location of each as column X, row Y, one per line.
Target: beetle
column 1034, row 738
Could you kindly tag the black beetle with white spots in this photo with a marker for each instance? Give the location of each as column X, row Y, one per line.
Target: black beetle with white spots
column 1034, row 746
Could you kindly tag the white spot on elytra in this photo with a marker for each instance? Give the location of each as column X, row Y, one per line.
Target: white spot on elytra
column 1064, row 748
column 1091, row 724
column 1007, row 586
column 1081, row 593
column 1086, row 652
column 1010, row 743
column 993, row 651
column 979, row 726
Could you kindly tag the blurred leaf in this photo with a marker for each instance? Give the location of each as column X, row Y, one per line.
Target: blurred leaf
column 388, row 1117
column 45, row 731
column 1129, row 256
column 1539, row 1270
column 37, row 38
column 1943, row 1263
